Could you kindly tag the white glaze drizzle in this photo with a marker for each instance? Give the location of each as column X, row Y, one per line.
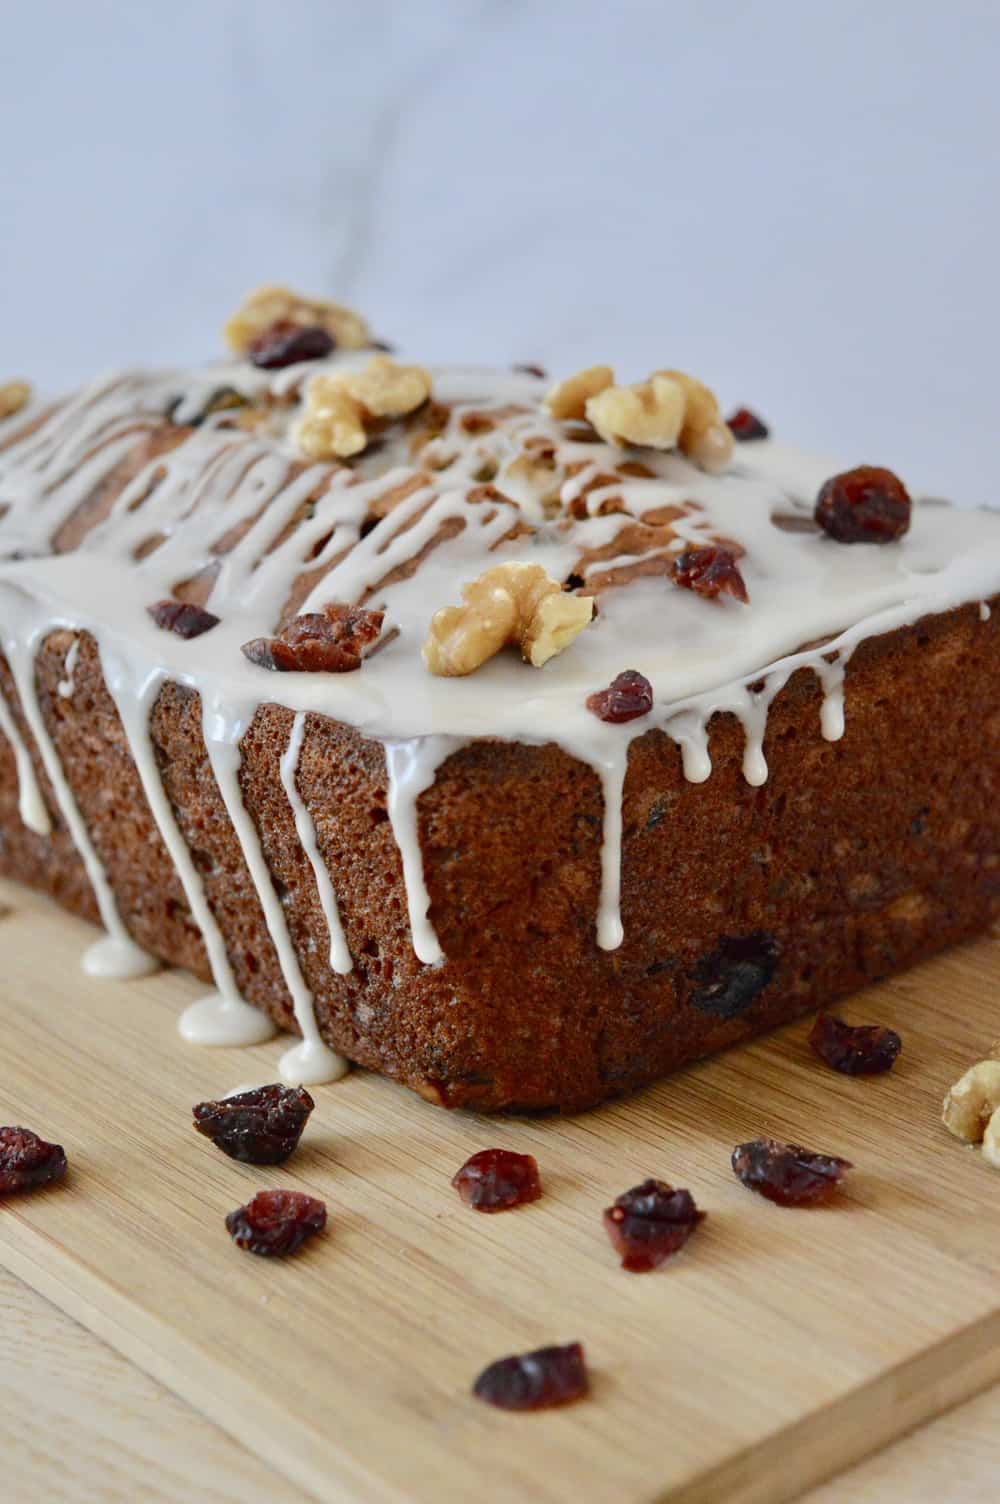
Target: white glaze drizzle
column 116, row 954
column 340, row 956
column 310, row 1061
column 701, row 657
column 65, row 686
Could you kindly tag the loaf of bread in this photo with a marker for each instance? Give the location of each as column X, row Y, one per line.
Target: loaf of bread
column 519, row 741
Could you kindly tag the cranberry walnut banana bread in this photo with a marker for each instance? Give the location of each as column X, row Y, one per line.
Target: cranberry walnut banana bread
column 518, row 741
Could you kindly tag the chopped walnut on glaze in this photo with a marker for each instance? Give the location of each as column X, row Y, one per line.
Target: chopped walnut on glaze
column 13, row 396
column 267, row 306
column 330, row 641
column 511, row 603
column 568, row 399
column 971, row 1109
column 338, row 408
column 669, row 410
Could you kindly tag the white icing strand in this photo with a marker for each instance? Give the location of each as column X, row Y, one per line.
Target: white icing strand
column 609, row 919
column 984, row 611
column 65, row 686
column 310, row 1062
column 411, row 768
column 223, row 1017
column 123, row 958
column 30, row 801
column 340, row 956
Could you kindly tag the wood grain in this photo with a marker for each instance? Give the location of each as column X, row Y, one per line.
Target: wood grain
column 778, row 1348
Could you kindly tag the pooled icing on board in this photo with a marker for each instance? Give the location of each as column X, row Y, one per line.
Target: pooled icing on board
column 262, row 534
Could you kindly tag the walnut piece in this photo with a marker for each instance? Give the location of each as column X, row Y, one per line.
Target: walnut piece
column 331, row 425
column 271, row 305
column 513, row 602
column 972, row 1108
column 13, row 396
column 650, row 413
column 704, row 437
column 669, row 410
column 386, row 390
column 568, row 399
column 338, row 407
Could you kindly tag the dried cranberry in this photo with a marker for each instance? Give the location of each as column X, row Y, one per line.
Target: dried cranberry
column 864, row 505
column 649, row 1223
column 258, row 1127
column 729, row 979
column 329, row 641
column 746, row 426
column 275, row 1223
column 533, row 1381
column 710, row 571
column 627, row 697
column 854, row 1049
column 787, row 1173
column 495, row 1179
column 182, row 618
column 286, row 344
column 526, row 369
column 27, row 1160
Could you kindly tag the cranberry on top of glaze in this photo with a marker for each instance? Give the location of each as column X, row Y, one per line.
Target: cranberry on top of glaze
column 865, row 505
column 649, row 1223
column 745, row 426
column 27, row 1161
column 854, row 1049
column 710, row 571
column 787, row 1173
column 329, row 641
column 182, row 618
column 286, row 343
column 494, row 1180
column 534, row 1381
column 628, row 696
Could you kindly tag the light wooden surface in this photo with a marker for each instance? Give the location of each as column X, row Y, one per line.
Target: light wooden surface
column 780, row 1346
column 79, row 1424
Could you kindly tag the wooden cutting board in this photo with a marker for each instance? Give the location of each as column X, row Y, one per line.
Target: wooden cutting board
column 779, row 1347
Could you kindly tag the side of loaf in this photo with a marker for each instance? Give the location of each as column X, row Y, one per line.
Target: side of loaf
column 744, row 906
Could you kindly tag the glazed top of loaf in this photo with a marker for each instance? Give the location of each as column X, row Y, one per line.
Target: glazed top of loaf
column 135, row 489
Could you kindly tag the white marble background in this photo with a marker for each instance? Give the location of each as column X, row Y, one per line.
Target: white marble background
column 796, row 200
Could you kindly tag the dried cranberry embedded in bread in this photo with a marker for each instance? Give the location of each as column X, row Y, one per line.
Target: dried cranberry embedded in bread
column 854, row 1049
column 276, row 1223
column 182, row 618
column 285, row 343
column 628, row 696
column 496, row 1179
column 864, row 505
column 27, row 1161
column 787, row 1173
column 649, row 1223
column 533, row 1381
column 258, row 1127
column 710, row 571
column 527, row 369
column 730, row 978
column 746, row 426
column 329, row 641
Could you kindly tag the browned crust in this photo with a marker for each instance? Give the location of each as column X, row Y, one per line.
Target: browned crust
column 859, row 857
